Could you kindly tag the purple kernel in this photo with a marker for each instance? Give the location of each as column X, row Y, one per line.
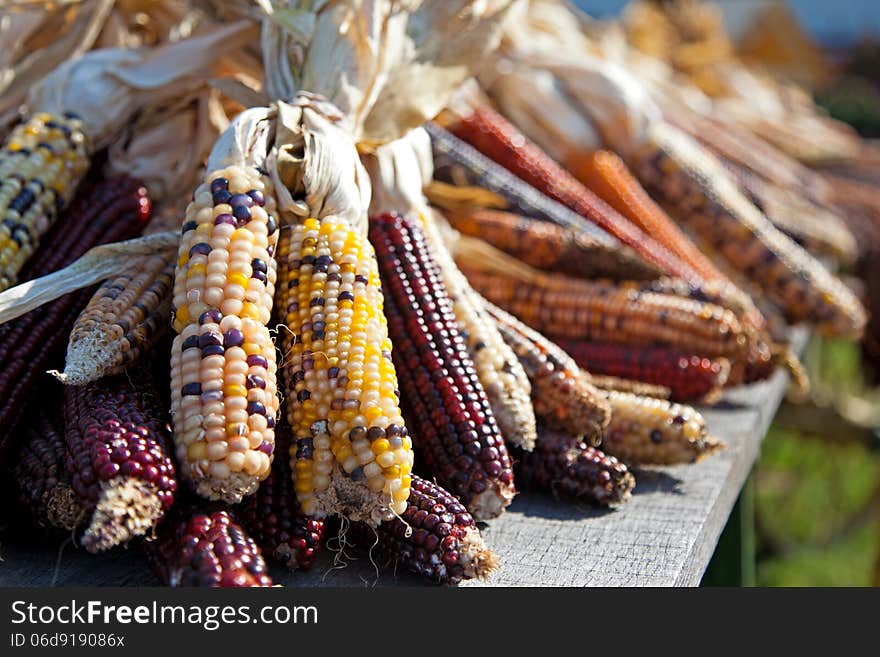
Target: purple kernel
column 260, row 276
column 131, row 468
column 210, row 317
column 257, row 197
column 257, row 360
column 219, row 184
column 233, row 338
column 254, row 381
column 224, row 219
column 259, row 265
column 202, row 248
column 270, row 422
column 188, row 226
column 242, row 214
column 271, row 226
column 255, row 407
column 212, row 396
column 108, row 471
column 266, row 447
column 207, row 339
column 213, row 350
column 191, row 389
column 191, row 342
column 221, row 196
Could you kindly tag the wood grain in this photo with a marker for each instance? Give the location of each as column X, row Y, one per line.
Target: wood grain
column 664, row 536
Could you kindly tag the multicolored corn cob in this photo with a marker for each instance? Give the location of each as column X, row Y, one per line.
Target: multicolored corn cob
column 42, row 481
column 497, row 138
column 224, row 399
column 456, row 432
column 274, row 518
column 689, row 378
column 112, row 210
column 498, row 369
column 550, row 247
column 353, row 454
column 563, row 396
column 565, row 465
column 458, row 163
column 198, row 548
column 435, row 537
column 118, row 457
column 122, row 321
column 728, row 226
column 562, row 307
column 654, row 431
column 41, row 164
column 604, row 173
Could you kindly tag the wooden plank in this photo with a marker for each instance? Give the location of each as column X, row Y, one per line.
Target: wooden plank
column 664, row 536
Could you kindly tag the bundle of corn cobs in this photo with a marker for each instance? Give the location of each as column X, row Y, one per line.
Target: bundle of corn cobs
column 398, row 309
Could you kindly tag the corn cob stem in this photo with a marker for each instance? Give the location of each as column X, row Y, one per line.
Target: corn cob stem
column 654, row 431
column 274, row 518
column 353, row 453
column 498, row 368
column 689, row 378
column 456, row 432
column 497, row 138
column 118, row 457
column 41, row 164
column 122, row 321
column 224, row 398
column 109, row 211
column 727, row 224
column 567, row 466
column 570, row 308
column 550, row 247
column 44, row 486
column 435, row 537
column 562, row 394
column 198, row 548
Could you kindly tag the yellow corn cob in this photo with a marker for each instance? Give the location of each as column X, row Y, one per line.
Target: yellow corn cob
column 498, row 369
column 42, row 162
column 123, row 319
column 352, row 454
column 223, row 388
column 644, row 430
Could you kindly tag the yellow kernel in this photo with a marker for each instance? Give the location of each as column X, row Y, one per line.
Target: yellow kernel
column 237, row 278
column 381, row 445
column 234, row 390
column 250, row 310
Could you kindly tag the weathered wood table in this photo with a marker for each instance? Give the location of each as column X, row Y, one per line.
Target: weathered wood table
column 664, row 536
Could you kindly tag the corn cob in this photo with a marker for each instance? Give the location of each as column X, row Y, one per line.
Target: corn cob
column 456, row 432
column 608, row 177
column 689, row 378
column 498, row 369
column 565, row 465
column 43, row 483
column 498, row 139
column 728, row 226
column 121, row 322
column 224, row 398
column 198, row 548
column 654, row 431
column 550, row 247
column 605, row 382
column 274, row 518
column 41, row 164
column 435, row 537
column 562, row 394
column 563, row 307
column 353, row 453
column 119, row 461
column 112, row 210
column 458, row 163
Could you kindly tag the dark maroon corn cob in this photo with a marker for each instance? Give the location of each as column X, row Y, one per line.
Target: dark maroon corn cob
column 567, row 466
column 119, row 463
column 108, row 211
column 45, row 492
column 451, row 422
column 274, row 518
column 689, row 378
column 198, row 548
column 436, row 537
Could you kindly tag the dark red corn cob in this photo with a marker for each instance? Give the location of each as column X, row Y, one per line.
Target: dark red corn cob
column 689, row 378
column 565, row 465
column 436, row 537
column 452, row 425
column 497, row 138
column 108, row 211
column 45, row 492
column 198, row 548
column 274, row 518
column 119, row 461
